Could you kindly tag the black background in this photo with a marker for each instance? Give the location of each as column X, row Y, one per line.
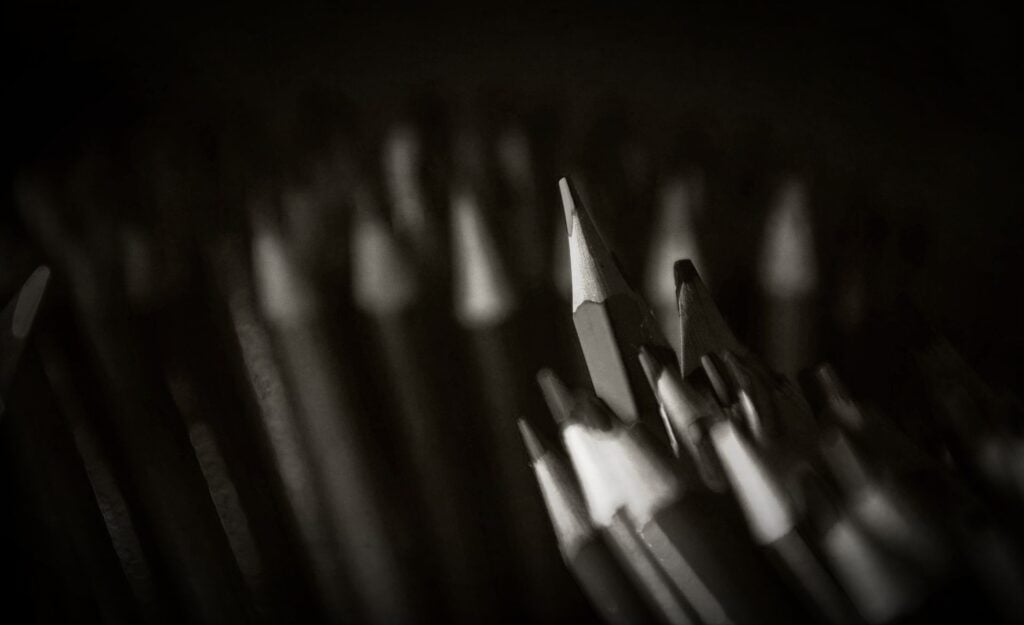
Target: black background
column 921, row 105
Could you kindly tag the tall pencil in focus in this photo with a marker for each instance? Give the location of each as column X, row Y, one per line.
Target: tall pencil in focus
column 488, row 309
column 612, row 322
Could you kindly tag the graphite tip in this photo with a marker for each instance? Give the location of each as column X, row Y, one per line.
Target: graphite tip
column 483, row 291
column 595, row 273
column 652, row 368
column 530, row 440
column 557, row 396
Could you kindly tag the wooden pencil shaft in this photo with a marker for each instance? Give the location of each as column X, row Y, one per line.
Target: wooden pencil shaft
column 65, row 368
column 812, row 580
column 610, row 590
column 713, row 545
column 50, row 470
column 644, row 570
column 429, row 437
column 504, row 388
column 169, row 486
column 610, row 334
column 283, row 431
column 348, row 488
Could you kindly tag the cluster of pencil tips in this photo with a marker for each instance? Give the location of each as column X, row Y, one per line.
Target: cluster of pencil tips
column 704, row 488
column 230, row 416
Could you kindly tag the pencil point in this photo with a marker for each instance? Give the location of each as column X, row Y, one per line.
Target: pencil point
column 684, row 272
column 483, row 291
column 569, row 196
column 595, row 274
column 557, row 396
column 788, row 264
column 29, row 297
column 703, row 329
column 712, row 368
column 533, row 444
column 383, row 279
column 762, row 500
column 652, row 368
column 282, row 289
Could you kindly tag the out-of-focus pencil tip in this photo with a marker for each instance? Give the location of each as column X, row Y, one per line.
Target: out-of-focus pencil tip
column 557, row 396
column 28, row 300
column 533, row 444
column 483, row 290
column 383, row 279
column 712, row 367
column 652, row 368
column 788, row 263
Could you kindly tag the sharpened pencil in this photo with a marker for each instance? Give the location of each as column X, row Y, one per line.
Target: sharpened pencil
column 694, row 535
column 582, row 546
column 612, row 322
column 604, row 499
column 774, row 525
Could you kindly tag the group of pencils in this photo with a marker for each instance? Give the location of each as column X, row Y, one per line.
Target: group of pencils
column 295, row 368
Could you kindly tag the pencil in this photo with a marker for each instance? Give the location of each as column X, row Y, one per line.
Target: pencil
column 693, row 534
column 167, row 483
column 679, row 201
column 612, row 322
column 774, row 525
column 488, row 310
column 282, row 428
column 703, row 329
column 788, row 279
column 690, row 411
column 16, row 323
column 604, row 497
column 583, row 549
column 290, row 305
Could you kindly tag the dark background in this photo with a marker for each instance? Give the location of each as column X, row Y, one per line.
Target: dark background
column 918, row 108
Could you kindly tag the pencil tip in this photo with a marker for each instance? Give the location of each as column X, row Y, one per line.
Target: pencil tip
column 569, row 197
column 383, row 280
column 557, row 396
column 712, row 367
column 533, row 444
column 652, row 368
column 483, row 291
column 762, row 501
column 29, row 297
column 684, row 272
column 281, row 287
column 788, row 264
column 703, row 328
column 595, row 273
